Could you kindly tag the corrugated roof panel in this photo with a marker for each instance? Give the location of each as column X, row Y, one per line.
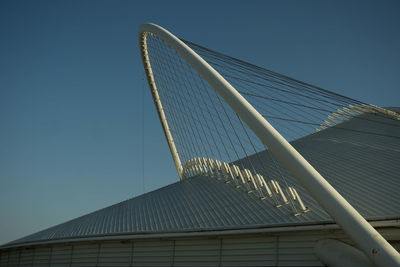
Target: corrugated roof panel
column 188, row 207
column 363, row 167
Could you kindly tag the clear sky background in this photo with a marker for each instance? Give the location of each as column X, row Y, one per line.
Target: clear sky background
column 78, row 127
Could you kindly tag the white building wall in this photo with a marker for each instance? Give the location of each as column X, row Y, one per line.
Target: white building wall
column 264, row 249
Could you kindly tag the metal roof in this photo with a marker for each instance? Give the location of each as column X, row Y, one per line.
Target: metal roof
column 359, row 157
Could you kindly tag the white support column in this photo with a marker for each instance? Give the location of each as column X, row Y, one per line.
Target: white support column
column 361, row 232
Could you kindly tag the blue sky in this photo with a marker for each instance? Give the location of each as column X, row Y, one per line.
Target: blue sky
column 78, row 128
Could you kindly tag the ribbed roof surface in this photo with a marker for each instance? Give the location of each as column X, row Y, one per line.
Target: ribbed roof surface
column 363, row 167
column 361, row 159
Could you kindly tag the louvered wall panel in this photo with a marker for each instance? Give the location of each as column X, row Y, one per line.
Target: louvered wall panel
column 396, row 245
column 3, row 258
column 197, row 252
column 42, row 256
column 391, row 233
column 298, row 249
column 85, row 255
column 13, row 259
column 275, row 249
column 26, row 256
column 252, row 250
column 61, row 256
column 153, row 253
column 115, row 254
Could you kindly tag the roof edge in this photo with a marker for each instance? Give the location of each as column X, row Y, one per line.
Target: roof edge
column 216, row 232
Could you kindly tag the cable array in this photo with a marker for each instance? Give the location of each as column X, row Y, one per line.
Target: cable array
column 211, row 139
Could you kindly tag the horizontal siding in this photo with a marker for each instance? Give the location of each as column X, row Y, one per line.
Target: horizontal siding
column 13, row 258
column 253, row 251
column 27, row 257
column 85, row 255
column 197, row 251
column 277, row 249
column 61, row 255
column 3, row 258
column 115, row 254
column 391, row 233
column 396, row 244
column 153, row 253
column 42, row 256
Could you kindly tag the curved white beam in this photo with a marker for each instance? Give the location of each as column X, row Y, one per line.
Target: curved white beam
column 157, row 102
column 335, row 253
column 361, row 232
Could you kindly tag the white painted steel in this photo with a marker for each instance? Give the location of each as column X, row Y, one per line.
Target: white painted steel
column 362, row 233
column 159, row 107
column 335, row 253
column 294, row 248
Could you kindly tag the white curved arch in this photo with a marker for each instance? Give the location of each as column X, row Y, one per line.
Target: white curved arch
column 354, row 110
column 362, row 233
column 157, row 102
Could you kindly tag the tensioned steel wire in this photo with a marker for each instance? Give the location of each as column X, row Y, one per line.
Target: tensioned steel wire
column 204, row 126
column 293, row 107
